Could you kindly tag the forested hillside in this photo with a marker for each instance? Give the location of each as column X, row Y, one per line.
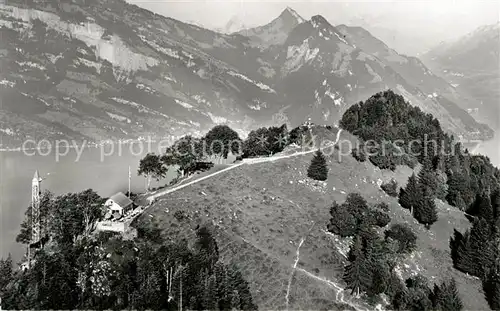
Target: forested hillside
column 315, row 230
column 78, row 268
column 447, row 172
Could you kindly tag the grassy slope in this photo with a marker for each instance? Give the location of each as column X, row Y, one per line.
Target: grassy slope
column 261, row 212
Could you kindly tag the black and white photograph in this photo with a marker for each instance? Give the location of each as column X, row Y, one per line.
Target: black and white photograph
column 250, row 155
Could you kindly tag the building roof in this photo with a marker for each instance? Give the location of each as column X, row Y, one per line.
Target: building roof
column 121, row 199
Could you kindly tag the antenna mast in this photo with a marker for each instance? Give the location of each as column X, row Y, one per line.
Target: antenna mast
column 35, row 208
column 35, row 213
column 129, row 176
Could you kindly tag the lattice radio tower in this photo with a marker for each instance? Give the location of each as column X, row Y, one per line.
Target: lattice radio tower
column 35, row 209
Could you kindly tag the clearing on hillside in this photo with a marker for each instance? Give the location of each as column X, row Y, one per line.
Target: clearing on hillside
column 260, row 213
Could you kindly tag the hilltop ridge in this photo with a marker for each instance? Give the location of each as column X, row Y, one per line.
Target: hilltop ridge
column 262, row 214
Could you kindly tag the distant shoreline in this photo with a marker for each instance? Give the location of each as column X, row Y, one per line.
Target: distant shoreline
column 483, row 142
column 83, row 144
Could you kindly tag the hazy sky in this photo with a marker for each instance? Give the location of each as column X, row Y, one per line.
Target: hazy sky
column 438, row 19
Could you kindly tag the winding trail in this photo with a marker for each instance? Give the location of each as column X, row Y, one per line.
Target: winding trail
column 233, row 166
column 293, row 272
column 339, row 290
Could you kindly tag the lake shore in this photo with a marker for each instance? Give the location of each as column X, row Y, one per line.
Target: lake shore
column 489, row 148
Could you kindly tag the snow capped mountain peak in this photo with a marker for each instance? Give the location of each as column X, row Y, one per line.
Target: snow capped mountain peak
column 234, row 25
column 491, row 30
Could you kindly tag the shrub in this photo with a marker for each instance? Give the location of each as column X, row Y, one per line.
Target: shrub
column 382, row 206
column 342, row 222
column 179, row 215
column 391, row 188
column 383, row 162
column 348, row 217
column 409, row 160
column 379, row 218
column 358, row 154
column 406, row 239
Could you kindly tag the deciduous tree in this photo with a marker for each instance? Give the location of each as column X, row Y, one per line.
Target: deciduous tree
column 151, row 166
column 407, row 240
column 221, row 140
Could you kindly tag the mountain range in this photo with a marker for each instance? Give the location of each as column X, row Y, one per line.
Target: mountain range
column 472, row 65
column 110, row 70
column 235, row 24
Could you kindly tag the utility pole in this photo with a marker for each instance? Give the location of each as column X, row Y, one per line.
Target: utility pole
column 129, row 176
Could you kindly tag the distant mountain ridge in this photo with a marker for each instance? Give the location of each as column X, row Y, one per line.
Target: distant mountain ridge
column 472, row 65
column 111, row 70
column 483, row 40
column 234, row 24
column 276, row 32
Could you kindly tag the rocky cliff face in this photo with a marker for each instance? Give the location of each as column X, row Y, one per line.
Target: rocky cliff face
column 111, row 70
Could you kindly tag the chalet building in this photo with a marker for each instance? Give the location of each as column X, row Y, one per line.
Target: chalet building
column 118, row 204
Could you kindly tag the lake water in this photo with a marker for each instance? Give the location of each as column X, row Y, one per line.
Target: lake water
column 491, row 149
column 98, row 168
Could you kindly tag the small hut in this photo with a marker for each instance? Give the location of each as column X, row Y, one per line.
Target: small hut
column 118, row 204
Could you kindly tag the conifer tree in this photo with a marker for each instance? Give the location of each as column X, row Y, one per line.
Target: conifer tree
column 208, row 251
column 6, row 272
column 481, row 247
column 482, row 207
column 210, row 297
column 456, row 243
column 410, row 195
column 486, row 208
column 417, row 295
column 457, row 185
column 491, row 287
column 358, row 273
column 446, row 297
column 427, row 179
column 495, row 202
column 381, row 278
column 235, row 301
column 442, row 185
column 425, row 211
column 473, row 252
column 462, row 253
column 318, row 168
